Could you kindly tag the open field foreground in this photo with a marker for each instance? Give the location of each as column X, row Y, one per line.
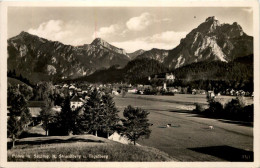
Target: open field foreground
column 190, row 138
column 81, row 148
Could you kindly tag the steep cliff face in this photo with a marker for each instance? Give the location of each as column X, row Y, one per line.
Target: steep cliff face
column 29, row 54
column 209, row 41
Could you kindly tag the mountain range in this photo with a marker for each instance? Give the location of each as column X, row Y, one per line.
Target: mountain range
column 40, row 59
column 209, row 41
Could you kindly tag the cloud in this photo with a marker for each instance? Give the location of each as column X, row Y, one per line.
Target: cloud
column 53, row 30
column 141, row 22
column 71, row 33
column 106, row 32
column 164, row 40
column 168, row 37
column 122, row 30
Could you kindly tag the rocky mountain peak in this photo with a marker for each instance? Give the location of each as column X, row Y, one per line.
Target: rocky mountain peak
column 103, row 44
column 32, row 55
column 23, row 33
column 209, row 26
column 211, row 41
column 99, row 41
column 211, row 19
column 238, row 28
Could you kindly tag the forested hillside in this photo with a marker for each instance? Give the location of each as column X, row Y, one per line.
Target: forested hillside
column 237, row 74
column 135, row 71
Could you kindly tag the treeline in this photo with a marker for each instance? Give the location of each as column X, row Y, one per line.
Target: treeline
column 219, row 86
column 12, row 74
column 217, row 75
column 19, row 116
column 236, row 110
column 135, row 72
column 98, row 116
column 110, row 75
column 214, row 75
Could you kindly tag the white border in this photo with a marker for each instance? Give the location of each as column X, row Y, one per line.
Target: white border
column 123, row 3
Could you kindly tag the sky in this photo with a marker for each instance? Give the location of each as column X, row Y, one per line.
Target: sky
column 130, row 28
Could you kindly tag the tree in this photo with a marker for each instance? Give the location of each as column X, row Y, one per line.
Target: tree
column 111, row 117
column 58, row 97
column 136, row 123
column 93, row 112
column 20, row 116
column 43, row 91
column 47, row 115
column 16, row 100
column 67, row 119
column 14, row 128
column 26, row 91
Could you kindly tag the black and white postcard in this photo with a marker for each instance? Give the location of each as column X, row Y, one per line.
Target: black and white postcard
column 130, row 84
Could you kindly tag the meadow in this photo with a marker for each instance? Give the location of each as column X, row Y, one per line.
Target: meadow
column 81, row 148
column 189, row 138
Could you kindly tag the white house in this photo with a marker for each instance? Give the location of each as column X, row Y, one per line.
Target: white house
column 75, row 102
column 114, row 92
column 134, row 90
column 169, row 76
column 211, row 94
column 72, row 87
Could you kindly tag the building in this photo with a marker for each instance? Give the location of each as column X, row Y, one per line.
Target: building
column 164, row 86
column 76, row 102
column 114, row 92
column 134, row 90
column 162, row 76
column 169, row 76
column 194, row 91
column 210, row 95
column 72, row 87
column 35, row 108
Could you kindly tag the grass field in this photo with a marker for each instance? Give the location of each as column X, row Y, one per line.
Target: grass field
column 189, row 138
column 81, row 148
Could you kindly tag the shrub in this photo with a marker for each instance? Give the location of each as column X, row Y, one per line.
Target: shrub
column 198, row 108
column 148, row 91
column 215, row 108
column 237, row 110
column 233, row 108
